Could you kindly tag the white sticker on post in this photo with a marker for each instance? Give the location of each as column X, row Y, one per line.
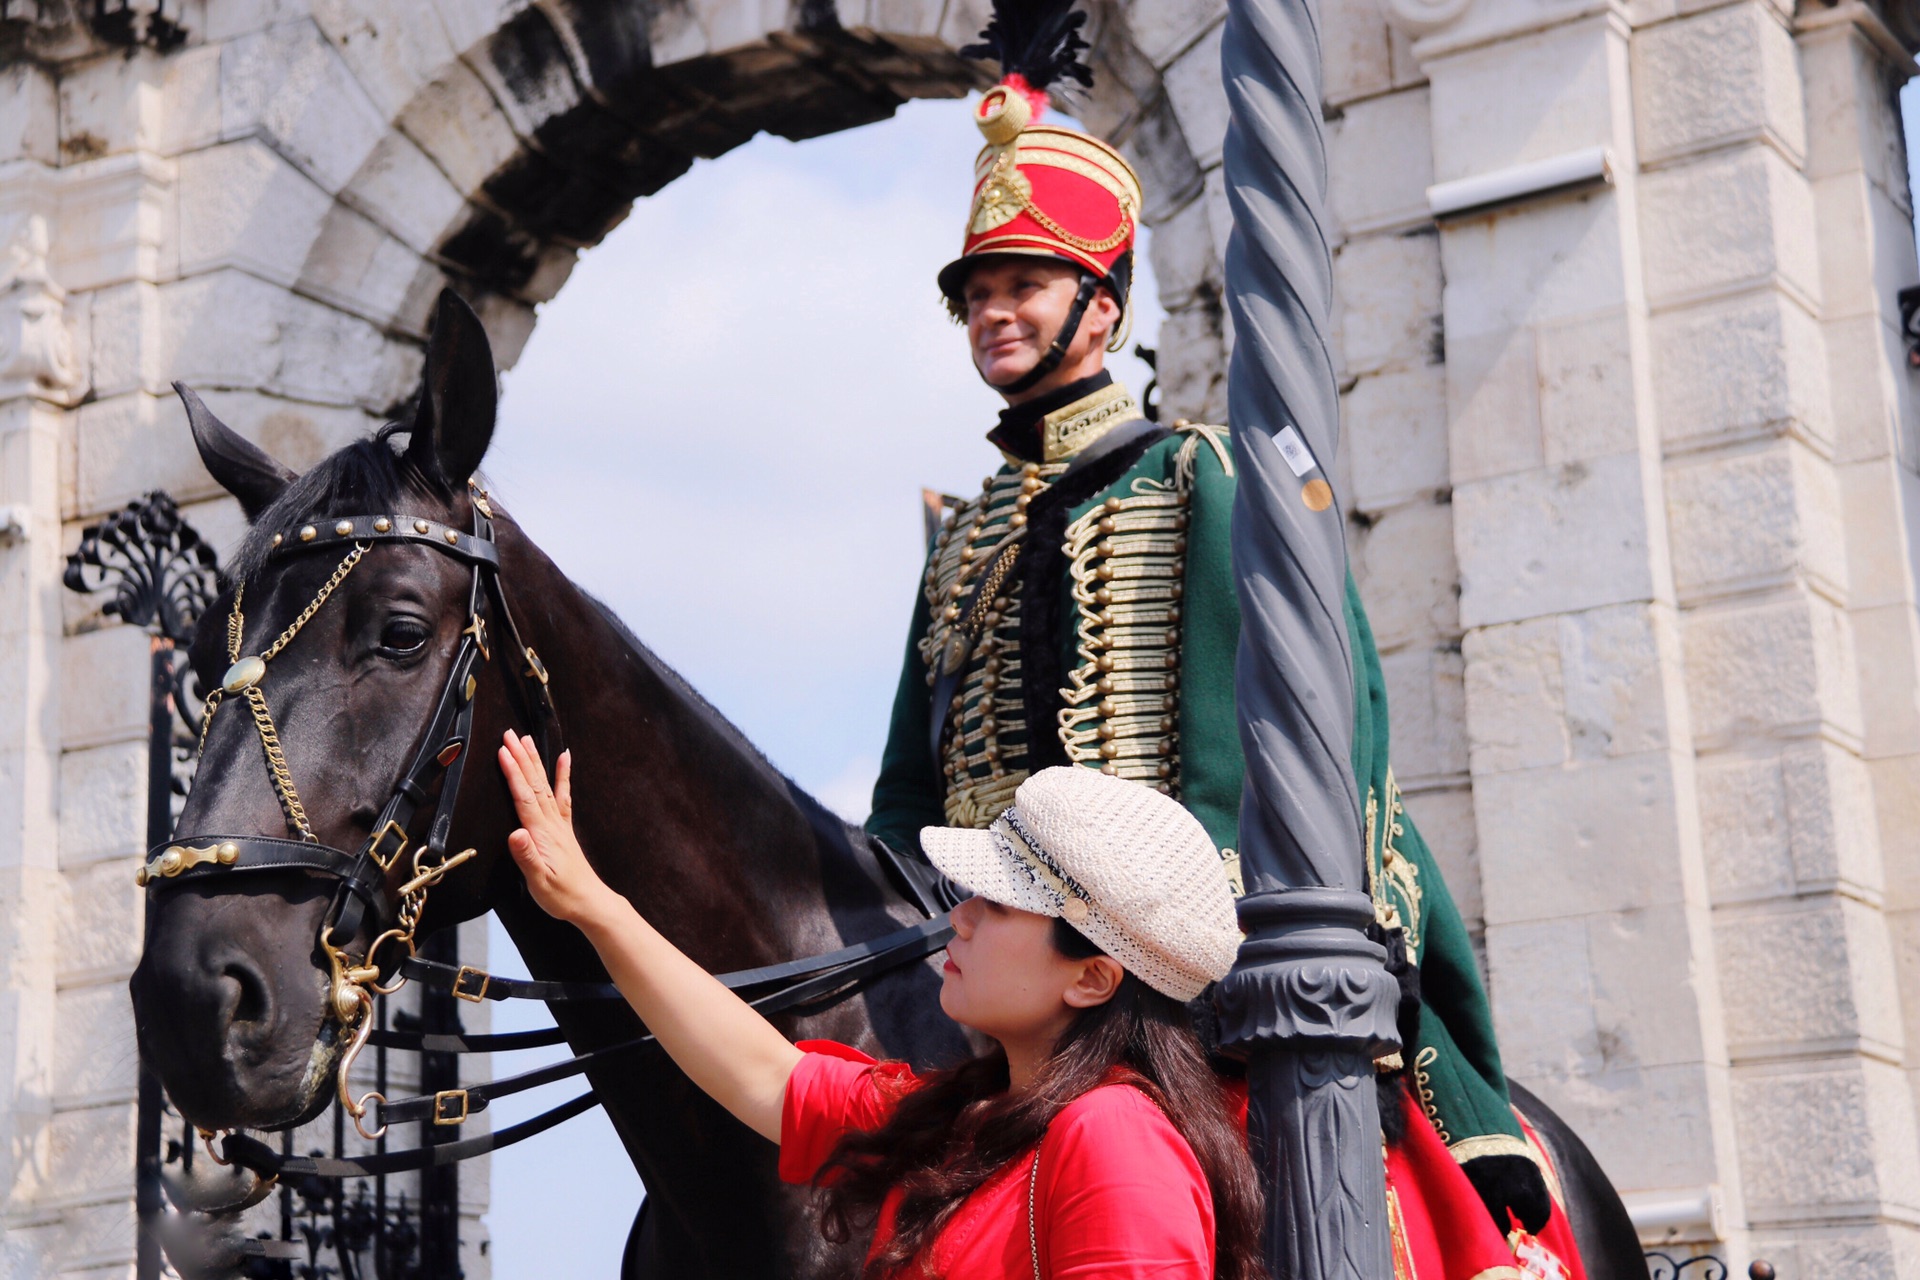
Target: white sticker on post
column 1295, row 451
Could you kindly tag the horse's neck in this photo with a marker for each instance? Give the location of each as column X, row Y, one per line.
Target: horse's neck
column 676, row 809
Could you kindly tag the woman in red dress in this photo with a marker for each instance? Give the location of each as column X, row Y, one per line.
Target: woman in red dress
column 1092, row 1143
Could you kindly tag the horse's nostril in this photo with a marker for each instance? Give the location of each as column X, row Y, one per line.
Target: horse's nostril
column 252, row 1004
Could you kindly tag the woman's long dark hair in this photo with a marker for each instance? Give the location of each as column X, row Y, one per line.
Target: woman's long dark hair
column 961, row 1126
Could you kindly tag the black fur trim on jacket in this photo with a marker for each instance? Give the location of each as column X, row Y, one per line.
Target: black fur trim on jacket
column 1391, row 1085
column 1042, row 567
column 1511, row 1183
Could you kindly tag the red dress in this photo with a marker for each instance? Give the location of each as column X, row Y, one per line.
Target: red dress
column 1119, row 1196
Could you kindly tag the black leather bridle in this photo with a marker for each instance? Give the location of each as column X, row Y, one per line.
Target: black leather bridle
column 372, row 884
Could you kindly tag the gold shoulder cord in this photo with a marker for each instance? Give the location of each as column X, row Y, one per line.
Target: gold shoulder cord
column 243, row 677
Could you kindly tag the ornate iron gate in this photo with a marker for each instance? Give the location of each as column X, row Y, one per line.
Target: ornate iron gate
column 163, row 576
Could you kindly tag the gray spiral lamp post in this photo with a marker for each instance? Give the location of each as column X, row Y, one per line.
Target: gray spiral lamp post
column 1310, row 1002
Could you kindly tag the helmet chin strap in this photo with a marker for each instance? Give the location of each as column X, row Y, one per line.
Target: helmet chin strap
column 1058, row 351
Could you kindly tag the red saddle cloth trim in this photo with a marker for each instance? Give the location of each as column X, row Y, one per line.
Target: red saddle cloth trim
column 1441, row 1229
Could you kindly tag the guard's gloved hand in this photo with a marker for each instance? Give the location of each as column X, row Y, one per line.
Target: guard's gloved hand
column 1511, row 1183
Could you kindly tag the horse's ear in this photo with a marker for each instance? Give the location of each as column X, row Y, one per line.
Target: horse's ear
column 243, row 469
column 458, row 394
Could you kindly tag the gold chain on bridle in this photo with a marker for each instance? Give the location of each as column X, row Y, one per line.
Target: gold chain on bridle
column 355, row 983
column 244, row 676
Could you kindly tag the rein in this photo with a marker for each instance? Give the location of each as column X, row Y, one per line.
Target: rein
column 366, row 888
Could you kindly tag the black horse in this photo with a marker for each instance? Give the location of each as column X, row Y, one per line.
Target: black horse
column 676, row 809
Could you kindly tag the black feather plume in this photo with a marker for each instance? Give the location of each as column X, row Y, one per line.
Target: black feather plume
column 1038, row 40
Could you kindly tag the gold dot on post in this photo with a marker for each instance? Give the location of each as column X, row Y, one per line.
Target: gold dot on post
column 308, row 533
column 382, row 525
column 278, row 539
column 452, row 536
column 419, row 526
column 1317, row 494
column 344, row 528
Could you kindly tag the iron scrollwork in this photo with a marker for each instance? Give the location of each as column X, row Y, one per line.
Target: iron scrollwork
column 1908, row 300
column 162, row 572
column 1701, row 1266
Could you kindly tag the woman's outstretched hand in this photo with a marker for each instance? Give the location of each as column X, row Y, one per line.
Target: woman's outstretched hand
column 556, row 868
column 727, row 1049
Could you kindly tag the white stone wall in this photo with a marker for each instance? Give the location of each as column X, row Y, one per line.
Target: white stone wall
column 1632, row 469
column 1632, row 473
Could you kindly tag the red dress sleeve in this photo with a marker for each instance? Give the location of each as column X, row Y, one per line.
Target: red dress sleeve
column 833, row 1090
column 1120, row 1194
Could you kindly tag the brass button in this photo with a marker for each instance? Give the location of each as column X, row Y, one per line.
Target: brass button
column 420, row 526
column 452, row 537
column 382, row 525
column 308, row 533
column 344, row 528
column 1113, row 504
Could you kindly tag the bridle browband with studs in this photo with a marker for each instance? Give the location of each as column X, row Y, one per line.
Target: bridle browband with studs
column 367, row 888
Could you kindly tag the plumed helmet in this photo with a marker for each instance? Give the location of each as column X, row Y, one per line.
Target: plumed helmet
column 1043, row 190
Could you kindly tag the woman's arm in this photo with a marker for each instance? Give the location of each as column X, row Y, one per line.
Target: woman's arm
column 726, row 1048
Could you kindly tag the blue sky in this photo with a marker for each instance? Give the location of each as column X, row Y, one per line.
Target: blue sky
column 721, row 427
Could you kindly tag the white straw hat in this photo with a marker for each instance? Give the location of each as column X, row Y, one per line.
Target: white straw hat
column 1125, row 865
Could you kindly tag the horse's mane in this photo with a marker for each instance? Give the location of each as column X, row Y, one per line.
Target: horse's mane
column 370, row 475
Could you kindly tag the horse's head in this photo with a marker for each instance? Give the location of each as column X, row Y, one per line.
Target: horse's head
column 235, row 995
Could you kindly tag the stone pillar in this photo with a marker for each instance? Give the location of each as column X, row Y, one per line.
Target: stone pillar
column 1576, row 714
column 1681, row 461
column 57, row 1103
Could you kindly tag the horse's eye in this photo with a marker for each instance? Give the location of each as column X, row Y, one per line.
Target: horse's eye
column 404, row 635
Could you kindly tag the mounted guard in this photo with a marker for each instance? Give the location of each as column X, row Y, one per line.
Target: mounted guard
column 1081, row 610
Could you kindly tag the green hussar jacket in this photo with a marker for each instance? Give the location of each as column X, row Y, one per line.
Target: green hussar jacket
column 1107, row 639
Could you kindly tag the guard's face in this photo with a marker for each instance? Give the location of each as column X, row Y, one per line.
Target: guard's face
column 1015, row 308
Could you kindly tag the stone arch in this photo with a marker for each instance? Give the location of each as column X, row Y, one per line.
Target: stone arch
column 371, row 153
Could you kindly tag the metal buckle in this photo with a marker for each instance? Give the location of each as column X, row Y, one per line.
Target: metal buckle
column 373, row 846
column 536, row 668
column 477, row 628
column 441, row 1102
column 460, row 984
